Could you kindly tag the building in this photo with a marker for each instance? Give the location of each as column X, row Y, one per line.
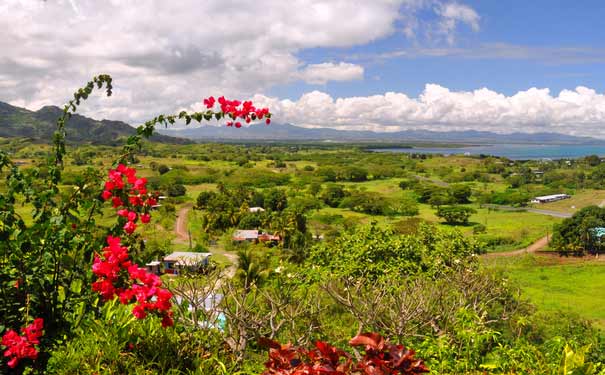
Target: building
column 256, row 209
column 254, row 236
column 178, row 261
column 550, row 198
column 154, row 267
column 245, row 235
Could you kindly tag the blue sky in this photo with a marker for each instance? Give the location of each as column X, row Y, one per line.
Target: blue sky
column 520, row 44
column 382, row 65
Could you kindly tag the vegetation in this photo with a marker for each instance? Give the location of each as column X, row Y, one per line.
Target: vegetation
column 382, row 248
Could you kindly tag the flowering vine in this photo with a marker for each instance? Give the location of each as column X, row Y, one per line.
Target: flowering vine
column 235, row 109
column 116, row 274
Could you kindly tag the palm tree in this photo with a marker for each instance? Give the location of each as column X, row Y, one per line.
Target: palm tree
column 250, row 271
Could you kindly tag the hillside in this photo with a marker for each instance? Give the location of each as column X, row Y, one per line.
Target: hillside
column 40, row 125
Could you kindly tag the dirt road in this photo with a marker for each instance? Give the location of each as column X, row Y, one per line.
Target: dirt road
column 180, row 227
column 182, row 236
column 536, row 246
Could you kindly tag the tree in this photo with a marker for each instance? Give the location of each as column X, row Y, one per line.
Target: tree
column 574, row 235
column 460, row 193
column 275, row 200
column 455, row 215
column 203, row 199
column 163, row 168
column 333, row 195
column 176, row 190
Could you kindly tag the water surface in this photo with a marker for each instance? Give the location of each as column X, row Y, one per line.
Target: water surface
column 511, row 151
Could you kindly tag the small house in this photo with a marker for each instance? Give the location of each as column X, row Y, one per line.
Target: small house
column 154, row 267
column 256, row 209
column 178, row 261
column 550, row 198
column 245, row 235
column 254, row 236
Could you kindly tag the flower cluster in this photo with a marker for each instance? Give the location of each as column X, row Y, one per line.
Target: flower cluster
column 127, row 191
column 238, row 110
column 116, row 274
column 22, row 347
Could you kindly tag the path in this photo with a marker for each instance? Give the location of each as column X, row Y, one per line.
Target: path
column 433, row 180
column 180, row 227
column 536, row 246
column 182, row 234
column 562, row 215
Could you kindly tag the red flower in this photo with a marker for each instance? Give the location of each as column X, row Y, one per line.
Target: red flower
column 167, row 321
column 238, row 124
column 130, row 227
column 145, row 218
column 22, row 347
column 116, row 202
column 106, row 195
column 209, row 103
column 132, row 216
column 268, row 121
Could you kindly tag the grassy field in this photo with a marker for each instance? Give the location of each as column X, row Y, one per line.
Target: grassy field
column 579, row 200
column 576, row 287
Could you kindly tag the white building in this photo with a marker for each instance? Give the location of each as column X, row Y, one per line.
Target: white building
column 550, row 198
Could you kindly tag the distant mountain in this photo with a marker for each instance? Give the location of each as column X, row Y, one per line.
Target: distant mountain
column 289, row 132
column 40, row 125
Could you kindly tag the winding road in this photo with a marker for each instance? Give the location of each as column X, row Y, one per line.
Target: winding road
column 182, row 236
column 536, row 246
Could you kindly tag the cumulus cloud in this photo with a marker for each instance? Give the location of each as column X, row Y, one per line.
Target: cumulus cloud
column 577, row 112
column 322, row 73
column 166, row 55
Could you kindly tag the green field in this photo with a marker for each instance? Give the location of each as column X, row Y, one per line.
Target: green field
column 575, row 287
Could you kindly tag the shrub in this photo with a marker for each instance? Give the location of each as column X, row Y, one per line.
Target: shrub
column 455, row 215
column 176, row 190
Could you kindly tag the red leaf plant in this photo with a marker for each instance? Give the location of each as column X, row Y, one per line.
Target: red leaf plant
column 379, row 358
column 20, row 347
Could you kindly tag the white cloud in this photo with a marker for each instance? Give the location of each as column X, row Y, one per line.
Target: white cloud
column 322, row 73
column 166, row 55
column 578, row 112
column 454, row 13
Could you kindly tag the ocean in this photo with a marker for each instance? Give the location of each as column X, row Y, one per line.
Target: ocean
column 511, row 151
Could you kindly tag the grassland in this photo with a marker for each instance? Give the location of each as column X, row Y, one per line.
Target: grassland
column 555, row 284
column 579, row 200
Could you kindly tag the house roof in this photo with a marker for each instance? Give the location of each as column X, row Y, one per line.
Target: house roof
column 186, row 258
column 245, row 234
column 554, row 196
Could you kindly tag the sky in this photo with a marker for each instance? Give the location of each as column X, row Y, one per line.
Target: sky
column 383, row 65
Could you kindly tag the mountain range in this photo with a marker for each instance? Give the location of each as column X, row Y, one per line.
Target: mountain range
column 289, row 132
column 40, row 126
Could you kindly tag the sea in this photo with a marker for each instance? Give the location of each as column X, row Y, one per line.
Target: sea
column 511, row 151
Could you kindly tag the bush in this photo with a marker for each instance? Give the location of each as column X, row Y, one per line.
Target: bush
column 163, row 168
column 455, row 215
column 176, row 190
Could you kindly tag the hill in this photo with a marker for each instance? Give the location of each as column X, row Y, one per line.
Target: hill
column 289, row 132
column 40, row 125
